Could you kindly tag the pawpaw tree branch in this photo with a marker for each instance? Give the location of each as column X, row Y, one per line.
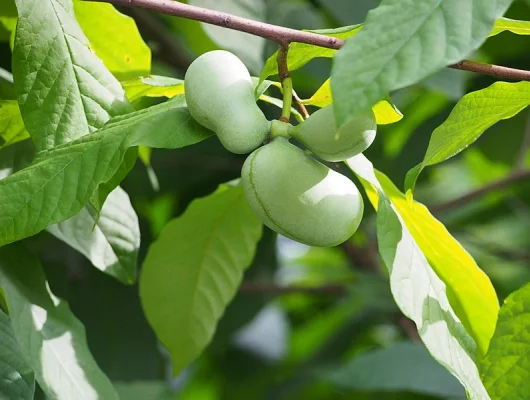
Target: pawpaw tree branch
column 283, row 35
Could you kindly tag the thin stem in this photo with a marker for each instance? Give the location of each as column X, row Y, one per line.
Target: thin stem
column 282, row 35
column 286, row 81
column 301, row 107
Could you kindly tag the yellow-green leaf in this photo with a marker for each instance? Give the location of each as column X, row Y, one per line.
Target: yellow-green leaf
column 12, row 129
column 511, row 25
column 385, row 112
column 115, row 39
column 153, row 86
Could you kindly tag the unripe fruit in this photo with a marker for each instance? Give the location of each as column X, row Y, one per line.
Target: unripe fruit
column 319, row 134
column 299, row 197
column 220, row 96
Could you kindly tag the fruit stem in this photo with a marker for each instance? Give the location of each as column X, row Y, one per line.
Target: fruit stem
column 286, row 80
column 280, row 129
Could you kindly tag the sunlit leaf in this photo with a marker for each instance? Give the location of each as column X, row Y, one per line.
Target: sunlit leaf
column 506, row 367
column 472, row 115
column 153, row 86
column 511, row 25
column 193, row 269
column 110, row 242
column 455, row 317
column 403, row 42
column 50, row 336
column 12, row 129
column 69, row 174
column 63, row 88
column 17, row 380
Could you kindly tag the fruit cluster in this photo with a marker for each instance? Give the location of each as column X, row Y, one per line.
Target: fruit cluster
column 290, row 191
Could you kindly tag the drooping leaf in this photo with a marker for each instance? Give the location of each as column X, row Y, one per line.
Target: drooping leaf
column 403, row 42
column 12, row 129
column 246, row 46
column 69, row 174
column 50, row 336
column 193, row 269
column 506, row 368
column 63, row 88
column 300, row 53
column 404, row 367
column 511, row 25
column 472, row 115
column 115, row 39
column 17, row 380
column 153, row 86
column 385, row 112
column 435, row 305
column 111, row 241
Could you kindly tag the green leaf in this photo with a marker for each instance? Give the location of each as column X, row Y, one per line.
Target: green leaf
column 472, row 115
column 403, row 42
column 63, row 88
column 511, row 25
column 17, row 380
column 69, row 174
column 385, row 112
column 7, row 90
column 50, row 336
column 300, row 53
column 8, row 8
column 114, row 38
column 246, row 46
column 111, row 241
column 12, row 129
column 404, row 367
column 455, row 314
column 144, row 390
column 506, row 368
column 193, row 269
column 153, row 86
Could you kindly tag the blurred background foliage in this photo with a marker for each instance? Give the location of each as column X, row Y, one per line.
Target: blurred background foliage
column 335, row 333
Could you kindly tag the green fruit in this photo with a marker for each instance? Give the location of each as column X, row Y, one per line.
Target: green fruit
column 319, row 134
column 299, row 197
column 220, row 96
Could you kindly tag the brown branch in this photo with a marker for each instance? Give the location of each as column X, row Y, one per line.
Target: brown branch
column 517, row 176
column 301, row 107
column 271, row 288
column 282, row 35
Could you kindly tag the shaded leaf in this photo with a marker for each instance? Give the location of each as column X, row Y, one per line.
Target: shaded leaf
column 50, row 336
column 69, row 174
column 17, row 380
column 385, row 112
column 110, row 242
column 63, row 88
column 472, row 115
column 144, row 390
column 404, row 367
column 403, row 42
column 511, row 25
column 153, row 86
column 422, row 296
column 506, row 368
column 193, row 269
column 114, row 38
column 12, row 129
column 300, row 53
column 8, row 8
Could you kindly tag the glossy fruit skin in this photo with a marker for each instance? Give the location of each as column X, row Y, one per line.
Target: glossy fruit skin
column 220, row 96
column 319, row 134
column 297, row 196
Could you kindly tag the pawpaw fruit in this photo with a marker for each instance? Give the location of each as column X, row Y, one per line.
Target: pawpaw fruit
column 299, row 197
column 319, row 133
column 220, row 96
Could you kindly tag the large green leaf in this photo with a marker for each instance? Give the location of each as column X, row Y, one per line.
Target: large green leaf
column 511, row 25
column 63, row 88
column 110, row 242
column 12, row 129
column 61, row 181
column 17, row 380
column 403, row 42
column 300, row 53
column 454, row 329
column 115, row 39
column 192, row 271
column 50, row 336
column 246, row 46
column 472, row 115
column 505, row 370
column 404, row 367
